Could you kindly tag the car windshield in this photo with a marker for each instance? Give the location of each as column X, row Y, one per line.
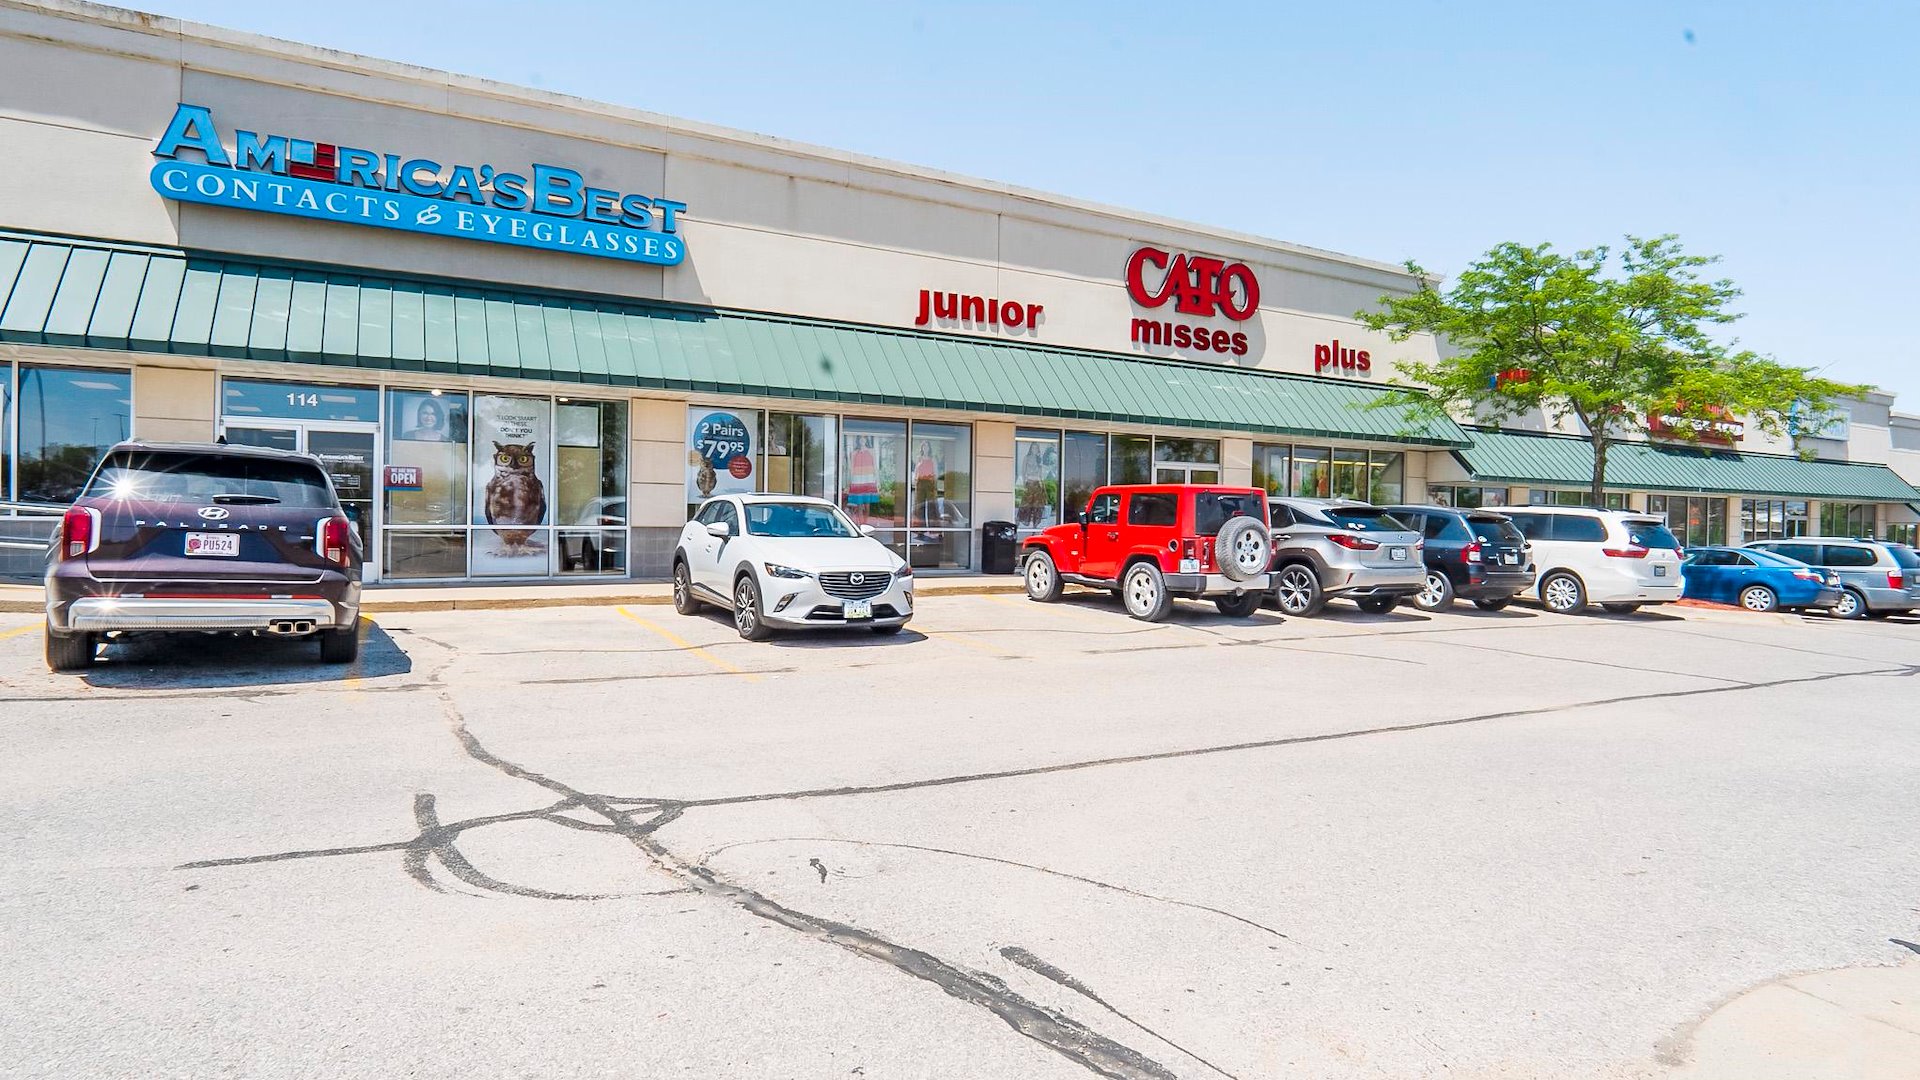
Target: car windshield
column 1651, row 534
column 1908, row 558
column 1212, row 511
column 1495, row 530
column 206, row 479
column 797, row 519
column 1365, row 518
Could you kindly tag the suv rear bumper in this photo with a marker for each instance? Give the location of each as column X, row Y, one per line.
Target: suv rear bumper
column 1493, row 584
column 96, row 614
column 1196, row 585
column 1359, row 583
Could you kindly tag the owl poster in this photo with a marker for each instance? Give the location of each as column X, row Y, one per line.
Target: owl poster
column 722, row 452
column 512, row 486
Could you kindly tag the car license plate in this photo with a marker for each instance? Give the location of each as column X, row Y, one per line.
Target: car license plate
column 227, row 544
column 1659, row 571
column 1510, row 559
column 857, row 609
column 1189, row 566
column 1397, row 554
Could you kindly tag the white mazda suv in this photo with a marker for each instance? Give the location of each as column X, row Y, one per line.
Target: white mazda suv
column 789, row 562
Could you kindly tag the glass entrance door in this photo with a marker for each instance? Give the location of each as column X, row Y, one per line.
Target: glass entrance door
column 347, row 452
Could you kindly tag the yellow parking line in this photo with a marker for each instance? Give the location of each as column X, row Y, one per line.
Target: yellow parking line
column 17, row 631
column 682, row 643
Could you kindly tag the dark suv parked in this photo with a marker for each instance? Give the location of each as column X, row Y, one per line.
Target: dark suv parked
column 205, row 538
column 1475, row 555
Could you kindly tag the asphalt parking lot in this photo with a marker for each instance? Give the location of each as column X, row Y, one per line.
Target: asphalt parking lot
column 1013, row 841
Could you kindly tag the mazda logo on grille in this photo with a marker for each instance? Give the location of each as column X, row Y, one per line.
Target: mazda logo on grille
column 214, row 513
column 857, row 579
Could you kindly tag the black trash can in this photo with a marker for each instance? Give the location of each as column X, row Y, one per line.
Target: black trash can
column 999, row 540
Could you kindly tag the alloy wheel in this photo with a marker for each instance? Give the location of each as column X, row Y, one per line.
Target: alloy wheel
column 746, row 609
column 1142, row 595
column 1430, row 593
column 1295, row 590
column 680, row 586
column 1758, row 598
column 1562, row 594
column 1848, row 606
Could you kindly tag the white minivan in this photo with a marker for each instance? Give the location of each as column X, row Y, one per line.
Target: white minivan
column 1618, row 559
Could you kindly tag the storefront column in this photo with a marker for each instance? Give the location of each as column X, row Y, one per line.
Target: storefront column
column 175, row 404
column 1414, row 479
column 1882, row 517
column 1518, row 496
column 1637, row 501
column 657, row 495
column 1814, row 506
column 1734, row 536
column 992, row 475
column 1236, row 462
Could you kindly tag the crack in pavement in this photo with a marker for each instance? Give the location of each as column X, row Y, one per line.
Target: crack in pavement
column 1049, row 972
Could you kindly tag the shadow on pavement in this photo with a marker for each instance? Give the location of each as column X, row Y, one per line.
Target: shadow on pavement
column 187, row 661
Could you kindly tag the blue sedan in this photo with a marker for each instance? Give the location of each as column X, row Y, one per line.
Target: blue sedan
column 1756, row 580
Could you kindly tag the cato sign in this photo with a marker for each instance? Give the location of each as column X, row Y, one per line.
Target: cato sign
column 547, row 206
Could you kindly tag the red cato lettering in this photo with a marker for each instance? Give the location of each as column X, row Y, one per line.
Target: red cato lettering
column 1197, row 285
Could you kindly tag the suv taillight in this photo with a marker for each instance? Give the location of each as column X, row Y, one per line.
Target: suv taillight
column 1471, row 552
column 1352, row 542
column 332, row 538
column 1625, row 553
column 1896, row 580
column 79, row 531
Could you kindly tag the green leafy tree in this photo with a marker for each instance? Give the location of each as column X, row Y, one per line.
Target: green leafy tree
column 1608, row 337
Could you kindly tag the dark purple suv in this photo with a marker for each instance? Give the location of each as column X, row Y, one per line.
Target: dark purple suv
column 203, row 538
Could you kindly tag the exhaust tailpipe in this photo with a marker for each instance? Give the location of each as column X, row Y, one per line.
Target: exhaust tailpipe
column 290, row 627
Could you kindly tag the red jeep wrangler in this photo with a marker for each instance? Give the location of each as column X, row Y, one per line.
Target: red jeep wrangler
column 1154, row 542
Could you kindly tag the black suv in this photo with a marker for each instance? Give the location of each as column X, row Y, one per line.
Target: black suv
column 1476, row 555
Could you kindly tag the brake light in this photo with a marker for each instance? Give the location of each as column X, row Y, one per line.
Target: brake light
column 1808, row 575
column 1472, row 552
column 333, row 540
column 79, row 531
column 1352, row 542
column 1625, row 553
column 1896, row 580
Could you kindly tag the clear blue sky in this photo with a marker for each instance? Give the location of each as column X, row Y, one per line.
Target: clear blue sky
column 1782, row 136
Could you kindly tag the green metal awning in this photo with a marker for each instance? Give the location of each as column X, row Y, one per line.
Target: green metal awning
column 58, row 291
column 1567, row 461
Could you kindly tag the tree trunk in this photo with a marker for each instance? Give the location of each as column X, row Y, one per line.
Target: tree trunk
column 1598, row 492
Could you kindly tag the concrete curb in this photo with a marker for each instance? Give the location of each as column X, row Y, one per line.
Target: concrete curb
column 27, row 599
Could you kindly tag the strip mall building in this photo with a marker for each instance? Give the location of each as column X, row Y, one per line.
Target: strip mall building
column 429, row 280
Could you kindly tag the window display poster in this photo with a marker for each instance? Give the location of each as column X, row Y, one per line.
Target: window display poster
column 427, row 437
column 720, row 452
column 512, row 477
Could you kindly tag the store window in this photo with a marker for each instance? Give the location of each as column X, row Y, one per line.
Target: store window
column 1132, row 459
column 1694, row 519
column 723, row 453
column 1272, row 463
column 425, row 486
column 1349, row 473
column 1312, row 471
column 1186, row 461
column 940, row 536
column 1083, row 468
column 873, row 472
column 590, row 441
column 1386, row 476
column 801, row 451
column 6, row 434
column 1846, row 519
column 1616, row 500
column 1465, row 497
column 1772, row 519
column 66, row 419
column 1036, row 479
column 1320, row 472
column 1902, row 532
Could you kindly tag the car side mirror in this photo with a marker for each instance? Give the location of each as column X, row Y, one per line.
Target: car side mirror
column 1083, row 519
column 866, row 530
column 720, row 529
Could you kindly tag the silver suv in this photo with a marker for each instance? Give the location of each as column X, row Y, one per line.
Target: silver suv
column 1877, row 577
column 1342, row 548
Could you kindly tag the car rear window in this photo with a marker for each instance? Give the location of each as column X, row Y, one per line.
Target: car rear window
column 1495, row 530
column 1905, row 556
column 1366, row 518
column 205, row 479
column 1651, row 534
column 1211, row 511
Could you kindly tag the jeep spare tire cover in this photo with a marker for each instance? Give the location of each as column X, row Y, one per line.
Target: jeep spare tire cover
column 1244, row 549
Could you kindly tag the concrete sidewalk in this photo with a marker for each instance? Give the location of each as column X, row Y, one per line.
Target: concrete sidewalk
column 1850, row 1024
column 381, row 599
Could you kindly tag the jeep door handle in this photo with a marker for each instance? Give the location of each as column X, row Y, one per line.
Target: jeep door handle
column 1113, row 536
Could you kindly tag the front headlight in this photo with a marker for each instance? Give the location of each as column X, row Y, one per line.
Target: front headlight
column 776, row 570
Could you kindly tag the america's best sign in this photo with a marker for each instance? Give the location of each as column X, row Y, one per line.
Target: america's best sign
column 548, row 206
